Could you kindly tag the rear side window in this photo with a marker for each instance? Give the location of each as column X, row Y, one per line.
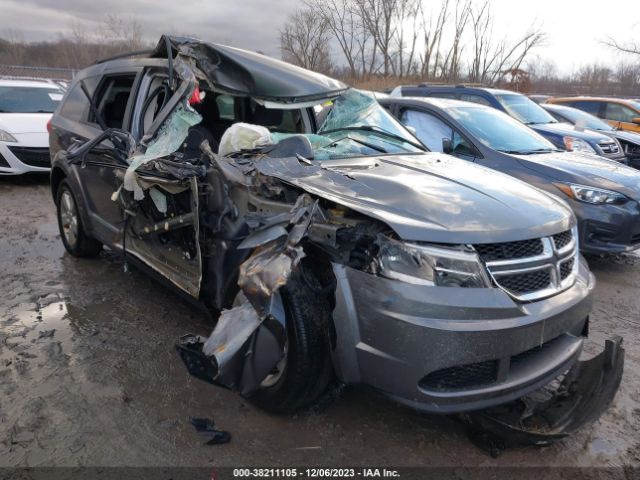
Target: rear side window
column 587, row 106
column 112, row 99
column 76, row 104
column 429, row 129
column 443, row 95
column 619, row 113
column 469, row 97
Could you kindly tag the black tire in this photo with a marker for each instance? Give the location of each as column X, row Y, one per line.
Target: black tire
column 74, row 238
column 308, row 371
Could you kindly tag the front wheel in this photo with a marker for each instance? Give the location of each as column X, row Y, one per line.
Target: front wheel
column 305, row 371
column 74, row 238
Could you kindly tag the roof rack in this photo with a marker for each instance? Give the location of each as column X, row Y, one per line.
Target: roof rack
column 136, row 53
column 456, row 85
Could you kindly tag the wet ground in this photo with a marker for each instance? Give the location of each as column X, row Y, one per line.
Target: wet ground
column 89, row 376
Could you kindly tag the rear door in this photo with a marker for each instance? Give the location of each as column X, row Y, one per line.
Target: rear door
column 101, row 170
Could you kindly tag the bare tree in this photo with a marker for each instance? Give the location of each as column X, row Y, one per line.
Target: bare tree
column 13, row 47
column 631, row 47
column 492, row 60
column 431, row 38
column 343, row 19
column 406, row 35
column 379, row 19
column 450, row 67
column 304, row 40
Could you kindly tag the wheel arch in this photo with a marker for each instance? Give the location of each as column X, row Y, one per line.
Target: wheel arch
column 57, row 176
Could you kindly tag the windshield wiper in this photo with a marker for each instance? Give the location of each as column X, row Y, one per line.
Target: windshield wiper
column 361, row 142
column 375, row 129
column 529, row 152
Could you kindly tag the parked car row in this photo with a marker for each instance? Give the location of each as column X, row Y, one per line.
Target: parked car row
column 525, row 110
column 629, row 140
column 603, row 194
column 427, row 248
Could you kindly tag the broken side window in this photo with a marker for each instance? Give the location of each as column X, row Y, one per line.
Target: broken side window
column 112, row 99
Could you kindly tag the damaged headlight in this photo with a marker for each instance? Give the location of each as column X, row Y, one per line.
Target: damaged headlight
column 433, row 266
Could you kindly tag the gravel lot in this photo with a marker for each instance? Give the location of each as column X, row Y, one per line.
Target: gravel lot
column 89, row 376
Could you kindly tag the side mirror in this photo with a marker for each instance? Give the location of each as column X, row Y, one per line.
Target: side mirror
column 636, row 120
column 447, row 146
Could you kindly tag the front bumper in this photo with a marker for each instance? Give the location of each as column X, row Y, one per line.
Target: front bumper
column 608, row 228
column 449, row 350
column 29, row 154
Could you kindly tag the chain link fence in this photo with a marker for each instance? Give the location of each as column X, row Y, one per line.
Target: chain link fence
column 49, row 73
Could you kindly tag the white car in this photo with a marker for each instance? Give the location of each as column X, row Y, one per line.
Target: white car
column 25, row 108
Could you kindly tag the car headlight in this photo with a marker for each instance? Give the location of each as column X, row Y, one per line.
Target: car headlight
column 6, row 137
column 596, row 196
column 433, row 266
column 573, row 144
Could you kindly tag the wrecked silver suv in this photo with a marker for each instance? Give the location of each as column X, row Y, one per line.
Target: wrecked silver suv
column 334, row 253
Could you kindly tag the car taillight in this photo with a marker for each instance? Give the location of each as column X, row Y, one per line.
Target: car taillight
column 48, row 126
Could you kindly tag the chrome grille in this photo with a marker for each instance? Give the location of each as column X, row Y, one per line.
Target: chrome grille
column 501, row 251
column 533, row 269
column 609, row 147
column 562, row 239
column 526, row 282
column 566, row 268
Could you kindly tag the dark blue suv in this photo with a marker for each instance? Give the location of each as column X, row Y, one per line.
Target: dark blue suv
column 528, row 112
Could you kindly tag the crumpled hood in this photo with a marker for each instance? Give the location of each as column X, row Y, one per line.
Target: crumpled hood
column 24, row 122
column 564, row 129
column 431, row 197
column 585, row 169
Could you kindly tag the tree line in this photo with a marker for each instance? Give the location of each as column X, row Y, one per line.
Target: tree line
column 376, row 44
column 81, row 47
column 381, row 43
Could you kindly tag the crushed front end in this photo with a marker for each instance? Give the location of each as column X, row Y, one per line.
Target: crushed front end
column 433, row 316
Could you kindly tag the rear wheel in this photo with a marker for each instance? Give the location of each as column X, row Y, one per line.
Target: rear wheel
column 305, row 371
column 74, row 238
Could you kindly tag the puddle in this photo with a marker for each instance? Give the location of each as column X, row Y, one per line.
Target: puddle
column 36, row 334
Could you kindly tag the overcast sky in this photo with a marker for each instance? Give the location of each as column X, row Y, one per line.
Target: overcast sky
column 573, row 26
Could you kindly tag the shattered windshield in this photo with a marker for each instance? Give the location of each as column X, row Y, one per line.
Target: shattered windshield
column 357, row 125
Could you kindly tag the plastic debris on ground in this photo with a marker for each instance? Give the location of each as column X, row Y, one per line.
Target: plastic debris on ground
column 206, row 428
